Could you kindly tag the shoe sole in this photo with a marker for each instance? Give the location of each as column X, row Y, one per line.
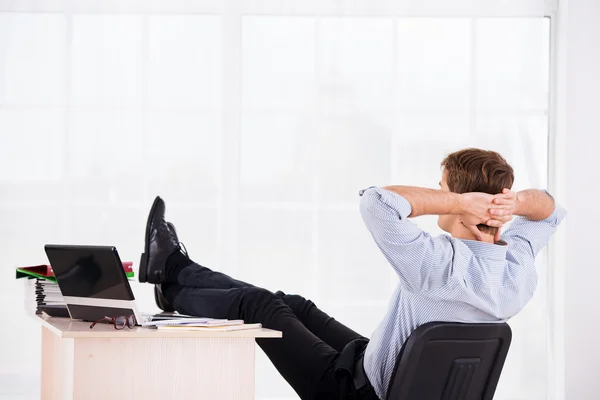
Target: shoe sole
column 144, row 258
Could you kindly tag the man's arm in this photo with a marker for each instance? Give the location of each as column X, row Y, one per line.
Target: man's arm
column 421, row 262
column 428, row 201
column 472, row 208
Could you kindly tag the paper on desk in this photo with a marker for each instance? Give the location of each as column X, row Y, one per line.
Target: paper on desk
column 220, row 328
column 193, row 322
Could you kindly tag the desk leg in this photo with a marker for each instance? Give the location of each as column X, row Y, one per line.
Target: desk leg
column 57, row 367
column 47, row 361
column 164, row 368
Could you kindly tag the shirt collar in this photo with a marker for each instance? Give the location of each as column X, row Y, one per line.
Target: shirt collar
column 487, row 250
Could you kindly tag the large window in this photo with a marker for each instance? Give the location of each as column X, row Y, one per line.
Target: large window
column 258, row 127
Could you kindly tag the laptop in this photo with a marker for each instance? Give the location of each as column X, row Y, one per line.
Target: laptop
column 92, row 281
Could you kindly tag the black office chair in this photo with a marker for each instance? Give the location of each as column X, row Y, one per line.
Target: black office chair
column 451, row 361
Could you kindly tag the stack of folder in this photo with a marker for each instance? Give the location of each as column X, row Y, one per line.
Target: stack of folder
column 42, row 293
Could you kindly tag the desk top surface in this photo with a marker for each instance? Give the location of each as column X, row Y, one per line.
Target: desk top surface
column 68, row 328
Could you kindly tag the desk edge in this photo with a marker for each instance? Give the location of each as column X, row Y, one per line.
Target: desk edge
column 153, row 334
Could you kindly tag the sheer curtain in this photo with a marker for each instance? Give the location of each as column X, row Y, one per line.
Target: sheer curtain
column 258, row 122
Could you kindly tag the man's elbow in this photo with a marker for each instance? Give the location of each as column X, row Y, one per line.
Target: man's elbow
column 368, row 200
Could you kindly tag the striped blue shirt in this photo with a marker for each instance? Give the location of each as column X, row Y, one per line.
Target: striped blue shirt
column 444, row 278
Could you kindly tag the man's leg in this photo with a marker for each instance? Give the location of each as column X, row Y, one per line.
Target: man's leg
column 185, row 272
column 304, row 360
column 319, row 323
column 326, row 328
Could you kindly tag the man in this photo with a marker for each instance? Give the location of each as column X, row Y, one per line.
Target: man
column 470, row 276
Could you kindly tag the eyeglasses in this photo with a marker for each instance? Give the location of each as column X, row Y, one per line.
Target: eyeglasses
column 118, row 322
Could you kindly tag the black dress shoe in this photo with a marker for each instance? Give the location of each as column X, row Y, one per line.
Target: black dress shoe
column 159, row 297
column 159, row 245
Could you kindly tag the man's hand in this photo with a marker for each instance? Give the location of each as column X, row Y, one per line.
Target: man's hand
column 506, row 204
column 480, row 208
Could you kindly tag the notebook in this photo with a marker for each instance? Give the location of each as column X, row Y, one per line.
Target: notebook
column 229, row 328
column 192, row 322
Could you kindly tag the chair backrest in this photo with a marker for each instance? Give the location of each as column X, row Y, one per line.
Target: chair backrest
column 451, row 361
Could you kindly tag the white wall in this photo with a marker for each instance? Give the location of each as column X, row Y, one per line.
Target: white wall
column 582, row 267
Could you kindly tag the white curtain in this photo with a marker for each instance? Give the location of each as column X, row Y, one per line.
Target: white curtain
column 258, row 122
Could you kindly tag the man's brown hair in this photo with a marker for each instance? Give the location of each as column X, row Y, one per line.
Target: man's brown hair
column 476, row 170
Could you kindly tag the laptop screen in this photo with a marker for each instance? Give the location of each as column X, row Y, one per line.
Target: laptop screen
column 89, row 271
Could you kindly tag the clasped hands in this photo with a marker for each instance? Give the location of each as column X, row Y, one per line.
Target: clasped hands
column 487, row 209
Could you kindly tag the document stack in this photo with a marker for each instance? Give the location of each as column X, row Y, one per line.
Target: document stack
column 187, row 323
column 41, row 294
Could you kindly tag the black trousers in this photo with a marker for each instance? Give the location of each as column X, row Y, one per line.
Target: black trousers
column 312, row 340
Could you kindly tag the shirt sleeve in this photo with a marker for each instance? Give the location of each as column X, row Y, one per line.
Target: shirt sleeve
column 422, row 263
column 527, row 237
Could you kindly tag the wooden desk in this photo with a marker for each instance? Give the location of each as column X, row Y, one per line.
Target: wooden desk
column 105, row 363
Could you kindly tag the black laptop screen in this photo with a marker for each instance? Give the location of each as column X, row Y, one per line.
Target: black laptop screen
column 89, row 271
